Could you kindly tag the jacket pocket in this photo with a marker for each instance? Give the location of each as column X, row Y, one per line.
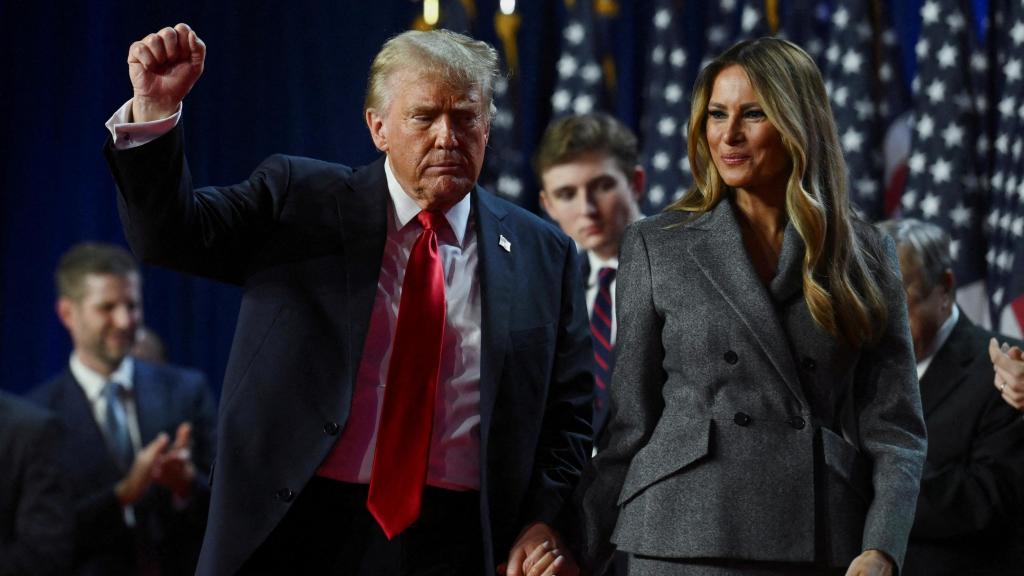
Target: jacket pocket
column 845, row 461
column 675, row 445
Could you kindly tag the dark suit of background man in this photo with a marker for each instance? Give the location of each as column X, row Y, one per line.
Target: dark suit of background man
column 139, row 439
column 36, row 523
column 592, row 182
column 323, row 253
column 973, row 477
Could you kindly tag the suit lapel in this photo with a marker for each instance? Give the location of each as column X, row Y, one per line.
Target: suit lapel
column 362, row 212
column 948, row 368
column 721, row 257
column 495, row 273
column 87, row 445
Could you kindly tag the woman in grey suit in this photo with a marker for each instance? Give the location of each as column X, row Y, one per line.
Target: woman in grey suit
column 765, row 411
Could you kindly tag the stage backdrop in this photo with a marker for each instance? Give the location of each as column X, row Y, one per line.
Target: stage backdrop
column 280, row 77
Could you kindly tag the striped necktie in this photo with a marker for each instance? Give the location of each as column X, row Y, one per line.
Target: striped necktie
column 604, row 359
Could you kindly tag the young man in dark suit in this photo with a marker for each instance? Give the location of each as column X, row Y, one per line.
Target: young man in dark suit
column 409, row 387
column 139, row 441
column 971, row 488
column 591, row 185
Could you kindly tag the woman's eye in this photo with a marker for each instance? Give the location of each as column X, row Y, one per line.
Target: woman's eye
column 717, row 114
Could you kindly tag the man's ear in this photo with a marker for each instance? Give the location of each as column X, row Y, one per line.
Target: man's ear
column 948, row 282
column 65, row 311
column 639, row 182
column 544, row 202
column 378, row 132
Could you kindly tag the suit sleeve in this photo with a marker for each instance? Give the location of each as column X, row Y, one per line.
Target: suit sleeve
column 982, row 490
column 636, row 402
column 208, row 231
column 566, row 434
column 43, row 527
column 890, row 421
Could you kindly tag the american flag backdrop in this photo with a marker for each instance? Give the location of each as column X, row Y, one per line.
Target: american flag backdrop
column 505, row 164
column 1005, row 223
column 863, row 88
column 946, row 183
column 663, row 125
column 580, row 87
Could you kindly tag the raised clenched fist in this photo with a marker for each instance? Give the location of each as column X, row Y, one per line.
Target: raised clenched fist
column 163, row 67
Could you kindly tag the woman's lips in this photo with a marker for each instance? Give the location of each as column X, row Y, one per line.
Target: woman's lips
column 734, row 159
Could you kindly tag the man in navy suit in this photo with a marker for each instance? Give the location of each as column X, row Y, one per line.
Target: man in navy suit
column 140, row 437
column 971, row 491
column 324, row 349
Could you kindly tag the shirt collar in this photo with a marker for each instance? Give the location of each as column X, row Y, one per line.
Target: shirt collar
column 92, row 382
column 406, row 208
column 596, row 263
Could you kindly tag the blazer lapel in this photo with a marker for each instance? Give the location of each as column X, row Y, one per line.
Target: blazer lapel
column 362, row 212
column 86, row 444
column 721, row 257
column 947, row 368
column 495, row 274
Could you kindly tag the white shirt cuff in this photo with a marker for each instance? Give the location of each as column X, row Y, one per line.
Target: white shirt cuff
column 128, row 134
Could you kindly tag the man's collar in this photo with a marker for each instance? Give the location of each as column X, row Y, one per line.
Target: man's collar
column 406, row 208
column 596, row 263
column 92, row 382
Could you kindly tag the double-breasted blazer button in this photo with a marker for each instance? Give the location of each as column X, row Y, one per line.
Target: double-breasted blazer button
column 732, row 357
column 808, row 364
column 331, row 428
column 285, row 495
column 742, row 419
column 797, row 422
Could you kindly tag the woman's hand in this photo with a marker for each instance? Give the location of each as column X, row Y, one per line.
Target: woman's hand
column 871, row 563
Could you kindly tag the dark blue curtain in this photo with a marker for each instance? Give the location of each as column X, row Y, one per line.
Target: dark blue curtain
column 280, row 77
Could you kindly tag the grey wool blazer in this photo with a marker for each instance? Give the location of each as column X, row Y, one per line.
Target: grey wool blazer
column 739, row 428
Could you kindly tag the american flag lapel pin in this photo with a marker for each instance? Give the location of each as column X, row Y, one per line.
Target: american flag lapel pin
column 504, row 243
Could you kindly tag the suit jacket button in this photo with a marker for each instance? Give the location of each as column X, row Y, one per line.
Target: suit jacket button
column 732, row 357
column 741, row 419
column 797, row 422
column 285, row 495
column 331, row 428
column 808, row 364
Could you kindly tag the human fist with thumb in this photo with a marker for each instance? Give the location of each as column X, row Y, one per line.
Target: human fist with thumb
column 163, row 67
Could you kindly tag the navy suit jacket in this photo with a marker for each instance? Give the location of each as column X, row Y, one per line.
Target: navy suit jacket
column 973, row 477
column 305, row 239
column 164, row 534
column 35, row 517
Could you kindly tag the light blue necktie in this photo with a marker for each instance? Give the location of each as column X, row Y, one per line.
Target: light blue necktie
column 117, row 425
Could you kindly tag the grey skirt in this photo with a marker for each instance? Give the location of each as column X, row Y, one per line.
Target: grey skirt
column 651, row 566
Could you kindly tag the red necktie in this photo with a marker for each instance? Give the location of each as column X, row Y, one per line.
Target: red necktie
column 403, row 435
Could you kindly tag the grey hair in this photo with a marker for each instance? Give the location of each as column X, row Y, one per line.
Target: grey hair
column 455, row 59
column 928, row 243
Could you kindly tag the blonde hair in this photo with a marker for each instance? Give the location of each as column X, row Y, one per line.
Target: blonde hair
column 454, row 59
column 839, row 287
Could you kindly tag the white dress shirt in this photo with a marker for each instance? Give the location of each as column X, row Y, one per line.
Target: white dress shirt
column 455, row 444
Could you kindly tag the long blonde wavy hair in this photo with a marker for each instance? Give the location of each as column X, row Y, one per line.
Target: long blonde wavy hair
column 839, row 287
